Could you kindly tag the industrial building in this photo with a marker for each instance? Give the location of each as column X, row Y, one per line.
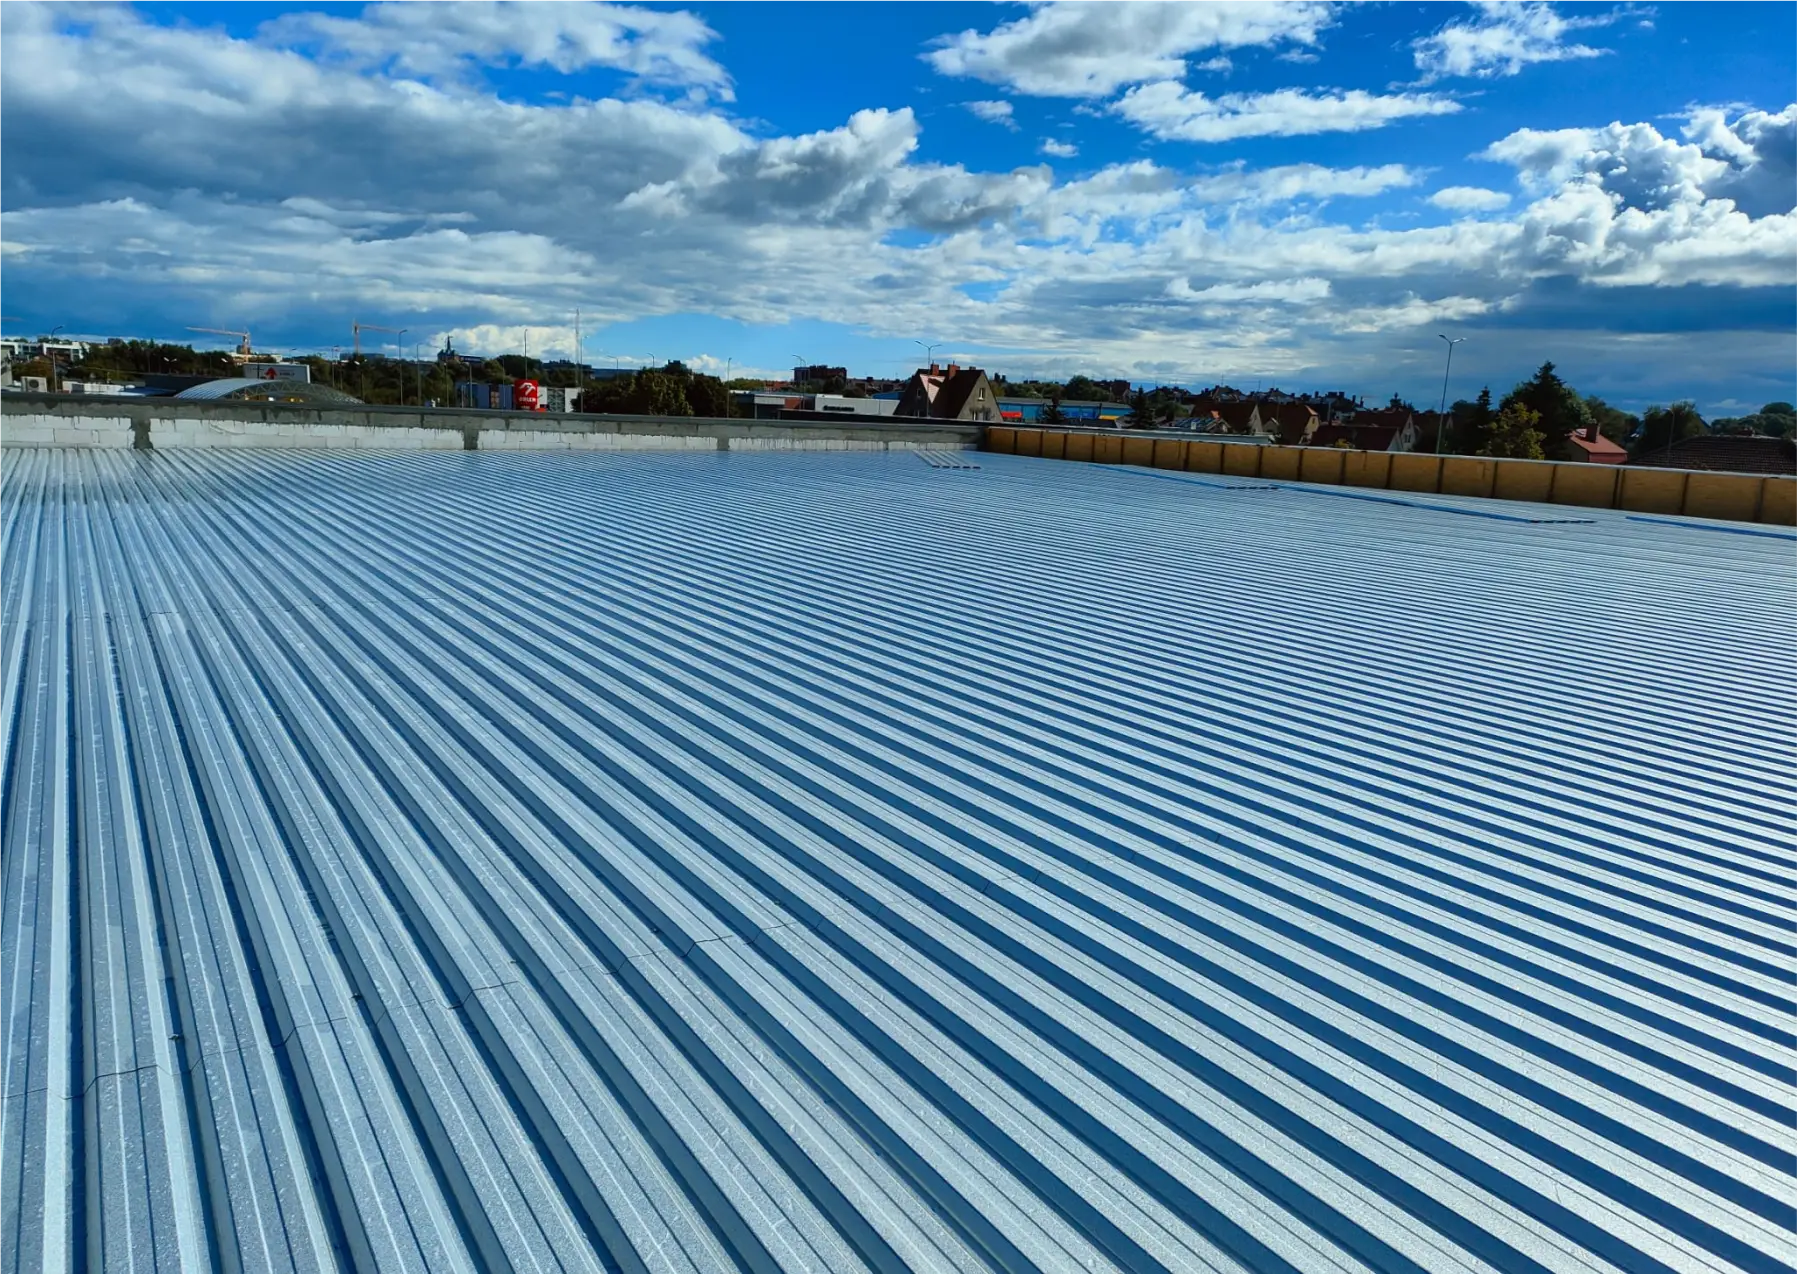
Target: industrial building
column 834, row 862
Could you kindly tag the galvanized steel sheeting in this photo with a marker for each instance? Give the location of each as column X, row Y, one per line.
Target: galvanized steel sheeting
column 851, row 862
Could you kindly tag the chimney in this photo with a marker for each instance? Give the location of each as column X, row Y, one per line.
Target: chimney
column 933, row 369
column 1592, row 432
column 953, row 369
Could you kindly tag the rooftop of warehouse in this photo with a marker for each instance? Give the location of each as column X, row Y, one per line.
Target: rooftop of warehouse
column 887, row 862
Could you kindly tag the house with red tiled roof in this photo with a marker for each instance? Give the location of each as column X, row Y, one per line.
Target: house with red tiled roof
column 1390, row 429
column 1725, row 453
column 1593, row 447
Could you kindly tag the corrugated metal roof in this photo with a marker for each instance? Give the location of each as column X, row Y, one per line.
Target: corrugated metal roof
column 837, row 862
column 286, row 387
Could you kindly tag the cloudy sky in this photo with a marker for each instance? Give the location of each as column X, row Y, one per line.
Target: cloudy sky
column 1302, row 194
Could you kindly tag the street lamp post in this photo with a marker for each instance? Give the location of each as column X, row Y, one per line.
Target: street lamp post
column 929, row 351
column 399, row 352
column 50, row 355
column 1442, row 406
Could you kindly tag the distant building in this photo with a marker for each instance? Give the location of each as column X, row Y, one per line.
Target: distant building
column 25, row 350
column 1593, row 447
column 818, row 372
column 1725, row 453
column 950, row 393
column 1023, row 410
column 755, row 404
column 1292, row 421
column 254, row 389
column 481, row 396
column 1229, row 417
column 845, row 406
column 1391, row 429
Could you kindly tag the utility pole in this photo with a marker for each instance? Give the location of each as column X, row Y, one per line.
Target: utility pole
column 50, row 355
column 580, row 372
column 1442, row 407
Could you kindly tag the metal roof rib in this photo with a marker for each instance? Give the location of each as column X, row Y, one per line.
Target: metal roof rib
column 847, row 862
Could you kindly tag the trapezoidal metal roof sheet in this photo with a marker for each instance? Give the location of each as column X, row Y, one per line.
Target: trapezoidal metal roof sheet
column 842, row 862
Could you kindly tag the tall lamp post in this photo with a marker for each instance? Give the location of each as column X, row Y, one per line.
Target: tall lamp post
column 929, row 351
column 1442, row 407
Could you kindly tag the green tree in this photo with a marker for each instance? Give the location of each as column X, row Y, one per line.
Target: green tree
column 1083, row 387
column 1664, row 426
column 1515, row 434
column 613, row 394
column 1141, row 413
column 1613, row 422
column 1468, row 425
column 658, row 394
column 708, row 397
column 1777, row 420
column 1559, row 410
column 1052, row 413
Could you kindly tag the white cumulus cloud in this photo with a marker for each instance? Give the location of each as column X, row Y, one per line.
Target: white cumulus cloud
column 1504, row 38
column 1173, row 113
column 1469, row 199
column 1288, row 182
column 993, row 113
column 157, row 199
column 1058, row 149
column 1077, row 49
column 429, row 40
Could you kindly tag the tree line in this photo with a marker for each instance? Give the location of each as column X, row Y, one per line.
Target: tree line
column 671, row 390
column 1533, row 421
column 1536, row 419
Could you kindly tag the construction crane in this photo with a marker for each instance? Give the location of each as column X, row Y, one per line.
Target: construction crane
column 243, row 338
column 356, row 330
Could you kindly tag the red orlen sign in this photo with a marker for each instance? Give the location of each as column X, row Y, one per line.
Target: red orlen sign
column 525, row 396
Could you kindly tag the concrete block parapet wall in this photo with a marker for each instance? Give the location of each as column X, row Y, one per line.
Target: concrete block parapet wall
column 35, row 429
column 1733, row 497
column 68, row 420
column 569, row 440
column 181, row 432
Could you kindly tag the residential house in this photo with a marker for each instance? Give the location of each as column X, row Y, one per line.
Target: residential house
column 949, row 393
column 1390, row 429
column 1294, row 422
column 1725, row 453
column 1593, row 447
column 1237, row 418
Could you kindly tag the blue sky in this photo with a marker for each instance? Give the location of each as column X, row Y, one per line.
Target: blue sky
column 1302, row 194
